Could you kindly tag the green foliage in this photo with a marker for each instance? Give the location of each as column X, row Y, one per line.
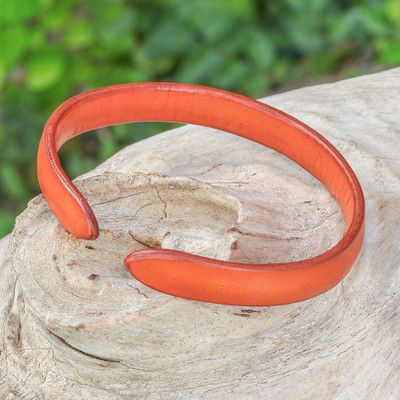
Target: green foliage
column 52, row 50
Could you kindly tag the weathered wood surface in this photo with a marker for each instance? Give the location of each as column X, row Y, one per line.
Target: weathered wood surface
column 75, row 325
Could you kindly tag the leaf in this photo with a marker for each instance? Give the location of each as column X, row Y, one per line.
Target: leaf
column 201, row 13
column 107, row 147
column 79, row 35
column 341, row 27
column 12, row 181
column 76, row 164
column 14, row 11
column 57, row 16
column 373, row 21
column 168, row 38
column 217, row 28
column 45, row 69
column 389, row 52
column 303, row 33
column 7, row 220
column 243, row 8
column 14, row 41
column 3, row 73
column 393, row 11
column 255, row 85
column 199, row 68
column 229, row 75
column 260, row 48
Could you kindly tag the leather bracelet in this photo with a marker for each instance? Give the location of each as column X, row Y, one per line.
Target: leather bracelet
column 186, row 275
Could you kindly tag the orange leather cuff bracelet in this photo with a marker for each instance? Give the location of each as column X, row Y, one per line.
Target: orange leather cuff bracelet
column 186, row 275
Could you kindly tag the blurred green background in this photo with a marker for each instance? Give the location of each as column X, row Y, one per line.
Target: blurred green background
column 51, row 50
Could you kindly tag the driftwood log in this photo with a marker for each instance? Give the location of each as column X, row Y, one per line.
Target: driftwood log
column 74, row 324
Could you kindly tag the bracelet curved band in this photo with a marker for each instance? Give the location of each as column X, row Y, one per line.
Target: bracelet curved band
column 186, row 275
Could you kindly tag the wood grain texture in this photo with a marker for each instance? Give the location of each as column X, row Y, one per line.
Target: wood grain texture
column 75, row 325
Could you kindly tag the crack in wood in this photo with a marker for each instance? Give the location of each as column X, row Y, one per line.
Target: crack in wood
column 162, row 201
